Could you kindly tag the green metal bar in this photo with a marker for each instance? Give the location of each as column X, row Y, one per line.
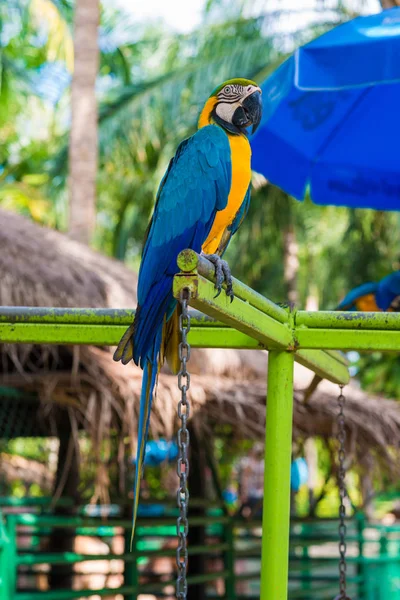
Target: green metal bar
column 32, row 501
column 257, row 323
column 326, row 365
column 109, row 335
column 84, row 316
column 222, row 337
column 278, row 451
column 37, row 333
column 124, row 317
column 335, row 319
column 338, row 356
column 347, row 339
column 92, row 523
column 192, row 550
column 251, row 314
column 72, row 316
column 65, row 558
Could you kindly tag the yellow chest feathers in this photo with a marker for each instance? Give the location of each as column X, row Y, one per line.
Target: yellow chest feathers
column 241, row 175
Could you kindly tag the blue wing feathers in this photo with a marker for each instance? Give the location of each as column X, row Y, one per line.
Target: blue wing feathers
column 196, row 185
column 348, row 302
column 388, row 290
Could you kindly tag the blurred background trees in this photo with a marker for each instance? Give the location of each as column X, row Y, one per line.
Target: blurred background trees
column 151, row 83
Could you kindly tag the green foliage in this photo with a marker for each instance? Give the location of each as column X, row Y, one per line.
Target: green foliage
column 152, row 85
column 380, row 374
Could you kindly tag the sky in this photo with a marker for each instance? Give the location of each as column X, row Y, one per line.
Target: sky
column 181, row 15
column 185, row 15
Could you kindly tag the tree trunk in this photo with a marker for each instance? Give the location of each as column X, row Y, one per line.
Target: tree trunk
column 83, row 138
column 290, row 263
column 390, row 3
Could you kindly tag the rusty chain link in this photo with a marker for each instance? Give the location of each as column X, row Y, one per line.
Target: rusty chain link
column 342, row 493
column 182, row 525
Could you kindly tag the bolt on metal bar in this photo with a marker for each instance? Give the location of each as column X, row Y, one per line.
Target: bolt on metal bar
column 189, row 261
column 239, row 314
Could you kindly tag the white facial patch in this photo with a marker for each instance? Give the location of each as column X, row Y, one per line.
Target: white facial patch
column 225, row 111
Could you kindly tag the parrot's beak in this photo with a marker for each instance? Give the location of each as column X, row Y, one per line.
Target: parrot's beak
column 250, row 111
column 252, row 106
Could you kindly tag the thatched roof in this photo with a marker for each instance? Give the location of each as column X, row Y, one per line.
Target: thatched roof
column 29, row 471
column 40, row 267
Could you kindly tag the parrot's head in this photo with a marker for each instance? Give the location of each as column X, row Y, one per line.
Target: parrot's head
column 234, row 105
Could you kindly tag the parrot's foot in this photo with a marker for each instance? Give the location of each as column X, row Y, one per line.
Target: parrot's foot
column 222, row 274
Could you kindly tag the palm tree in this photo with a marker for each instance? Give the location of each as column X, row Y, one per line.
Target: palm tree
column 83, row 138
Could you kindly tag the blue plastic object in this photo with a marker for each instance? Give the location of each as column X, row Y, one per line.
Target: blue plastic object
column 298, row 474
column 230, row 496
column 331, row 117
column 159, row 451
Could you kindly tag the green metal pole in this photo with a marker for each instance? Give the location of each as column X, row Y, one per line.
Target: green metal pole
column 11, row 526
column 229, row 561
column 278, row 450
column 131, row 575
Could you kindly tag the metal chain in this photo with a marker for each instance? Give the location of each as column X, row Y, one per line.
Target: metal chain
column 182, row 525
column 342, row 493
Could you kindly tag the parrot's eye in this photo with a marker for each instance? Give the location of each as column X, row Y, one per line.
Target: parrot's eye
column 227, row 89
column 249, row 88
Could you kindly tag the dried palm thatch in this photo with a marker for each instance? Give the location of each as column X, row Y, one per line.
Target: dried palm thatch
column 39, row 267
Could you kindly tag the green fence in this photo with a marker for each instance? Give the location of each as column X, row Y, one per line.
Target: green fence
column 232, row 550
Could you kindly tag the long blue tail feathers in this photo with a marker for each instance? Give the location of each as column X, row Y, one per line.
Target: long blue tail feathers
column 150, row 372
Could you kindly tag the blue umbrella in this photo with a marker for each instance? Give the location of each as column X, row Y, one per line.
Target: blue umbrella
column 331, row 122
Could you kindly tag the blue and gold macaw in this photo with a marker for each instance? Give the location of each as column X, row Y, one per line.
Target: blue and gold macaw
column 369, row 297
column 201, row 202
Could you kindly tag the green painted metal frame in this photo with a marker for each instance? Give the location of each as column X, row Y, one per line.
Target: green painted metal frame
column 251, row 321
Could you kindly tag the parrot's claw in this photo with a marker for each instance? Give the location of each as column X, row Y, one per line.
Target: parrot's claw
column 222, row 275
